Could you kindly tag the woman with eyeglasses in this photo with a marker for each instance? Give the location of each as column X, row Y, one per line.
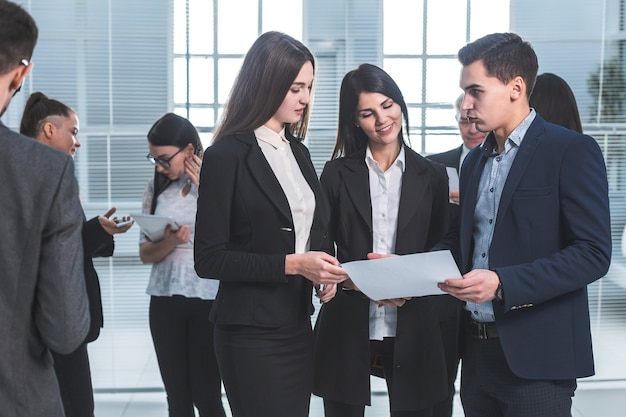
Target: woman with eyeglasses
column 180, row 302
column 55, row 124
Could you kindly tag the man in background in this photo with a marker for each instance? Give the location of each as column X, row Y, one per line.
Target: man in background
column 43, row 302
column 454, row 158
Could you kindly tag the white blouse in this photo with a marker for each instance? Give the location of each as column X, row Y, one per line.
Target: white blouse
column 301, row 199
column 175, row 274
column 385, row 190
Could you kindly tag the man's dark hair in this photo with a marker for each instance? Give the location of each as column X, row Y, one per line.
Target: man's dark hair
column 505, row 56
column 18, row 35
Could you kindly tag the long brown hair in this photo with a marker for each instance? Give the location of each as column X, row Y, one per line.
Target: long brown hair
column 267, row 72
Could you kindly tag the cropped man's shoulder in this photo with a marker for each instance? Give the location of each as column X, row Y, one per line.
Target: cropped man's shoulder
column 22, row 149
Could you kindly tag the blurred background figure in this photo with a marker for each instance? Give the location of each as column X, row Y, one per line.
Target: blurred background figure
column 180, row 301
column 55, row 124
column 454, row 158
column 554, row 100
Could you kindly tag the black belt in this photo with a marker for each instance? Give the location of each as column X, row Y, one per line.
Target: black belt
column 482, row 330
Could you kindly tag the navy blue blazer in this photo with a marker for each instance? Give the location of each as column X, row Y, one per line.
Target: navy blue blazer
column 244, row 230
column 552, row 238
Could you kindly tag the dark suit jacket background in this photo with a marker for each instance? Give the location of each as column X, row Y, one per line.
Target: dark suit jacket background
column 96, row 243
column 450, row 158
column 425, row 339
column 552, row 238
column 246, row 249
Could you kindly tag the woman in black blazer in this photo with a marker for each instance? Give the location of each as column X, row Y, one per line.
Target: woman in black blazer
column 385, row 199
column 261, row 217
column 55, row 124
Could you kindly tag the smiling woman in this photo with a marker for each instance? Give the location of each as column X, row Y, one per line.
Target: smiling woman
column 384, row 199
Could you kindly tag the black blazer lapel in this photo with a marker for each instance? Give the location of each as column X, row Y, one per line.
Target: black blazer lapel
column 320, row 217
column 306, row 166
column 413, row 192
column 264, row 176
column 356, row 177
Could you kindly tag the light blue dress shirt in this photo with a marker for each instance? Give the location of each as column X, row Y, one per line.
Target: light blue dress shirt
column 492, row 182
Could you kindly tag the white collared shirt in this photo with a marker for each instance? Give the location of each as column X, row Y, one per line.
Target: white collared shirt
column 385, row 190
column 301, row 199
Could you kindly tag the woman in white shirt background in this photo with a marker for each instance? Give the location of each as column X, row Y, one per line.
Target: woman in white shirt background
column 180, row 301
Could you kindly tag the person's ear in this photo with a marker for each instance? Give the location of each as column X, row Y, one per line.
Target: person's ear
column 20, row 74
column 518, row 88
column 48, row 130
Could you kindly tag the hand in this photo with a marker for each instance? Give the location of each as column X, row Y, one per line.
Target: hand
column 317, row 267
column 110, row 225
column 192, row 168
column 379, row 255
column 455, row 197
column 177, row 237
column 393, row 302
column 477, row 286
column 326, row 292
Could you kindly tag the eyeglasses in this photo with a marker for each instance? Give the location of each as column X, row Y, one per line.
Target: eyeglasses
column 164, row 162
column 24, row 62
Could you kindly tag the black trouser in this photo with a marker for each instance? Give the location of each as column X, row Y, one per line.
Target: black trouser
column 490, row 389
column 74, row 376
column 183, row 341
column 383, row 352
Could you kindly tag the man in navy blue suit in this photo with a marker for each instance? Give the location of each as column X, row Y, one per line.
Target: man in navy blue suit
column 533, row 231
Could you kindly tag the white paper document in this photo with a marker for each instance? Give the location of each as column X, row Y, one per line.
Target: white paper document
column 453, row 178
column 401, row 276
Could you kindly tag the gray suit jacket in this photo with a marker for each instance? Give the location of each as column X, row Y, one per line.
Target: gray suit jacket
column 43, row 302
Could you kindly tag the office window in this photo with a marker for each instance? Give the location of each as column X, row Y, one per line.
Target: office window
column 421, row 40
column 210, row 40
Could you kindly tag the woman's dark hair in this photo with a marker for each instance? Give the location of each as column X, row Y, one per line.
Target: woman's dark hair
column 268, row 71
column 554, row 100
column 38, row 107
column 366, row 78
column 171, row 130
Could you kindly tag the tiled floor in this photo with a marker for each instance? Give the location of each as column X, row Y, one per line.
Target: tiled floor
column 128, row 384
column 589, row 402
